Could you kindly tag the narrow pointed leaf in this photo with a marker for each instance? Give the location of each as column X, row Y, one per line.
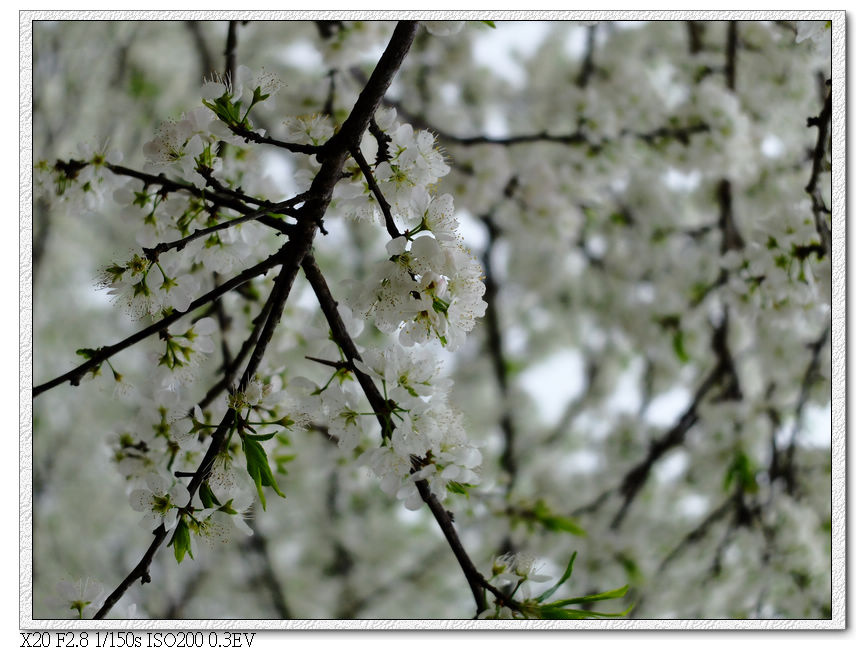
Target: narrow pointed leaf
column 567, row 574
column 607, row 595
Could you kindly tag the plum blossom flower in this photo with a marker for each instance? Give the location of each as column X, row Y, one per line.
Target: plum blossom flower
column 159, row 501
column 517, row 568
column 216, row 525
column 176, row 146
column 443, row 27
column 818, row 31
column 309, row 129
column 84, row 595
column 433, row 291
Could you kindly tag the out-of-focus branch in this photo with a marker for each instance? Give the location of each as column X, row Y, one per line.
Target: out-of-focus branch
column 259, row 544
column 724, row 369
column 588, row 66
column 205, row 59
column 230, row 52
column 495, row 346
column 784, row 466
column 818, row 207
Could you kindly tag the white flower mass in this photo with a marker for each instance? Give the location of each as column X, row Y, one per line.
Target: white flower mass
column 334, row 264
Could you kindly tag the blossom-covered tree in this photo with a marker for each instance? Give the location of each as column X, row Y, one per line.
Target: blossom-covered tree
column 415, row 336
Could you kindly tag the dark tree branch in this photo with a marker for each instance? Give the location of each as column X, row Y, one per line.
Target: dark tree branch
column 290, row 257
column 331, row 93
column 230, row 54
column 230, row 201
column 698, row 533
column 224, row 321
column 383, row 139
column 579, row 138
column 731, row 239
column 730, row 66
column 636, row 478
column 328, row 28
column 43, row 217
column 724, row 368
column 785, row 466
column 229, row 372
column 681, row 134
column 695, row 35
column 237, row 193
column 141, row 570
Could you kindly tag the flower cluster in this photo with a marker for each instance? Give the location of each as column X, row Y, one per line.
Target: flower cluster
column 426, row 439
column 430, row 287
column 432, row 291
column 148, row 288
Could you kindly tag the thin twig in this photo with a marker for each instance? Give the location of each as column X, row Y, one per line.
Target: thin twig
column 74, row 376
column 179, row 244
column 374, row 188
column 294, row 147
column 578, row 138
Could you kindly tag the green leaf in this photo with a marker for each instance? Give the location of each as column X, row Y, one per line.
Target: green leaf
column 259, row 470
column 741, row 472
column 679, row 346
column 489, row 23
column 226, row 110
column 180, row 541
column 258, row 96
column 208, row 500
column 260, row 436
column 459, row 488
column 558, row 613
column 281, row 461
column 555, row 522
column 607, row 595
column 567, row 574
